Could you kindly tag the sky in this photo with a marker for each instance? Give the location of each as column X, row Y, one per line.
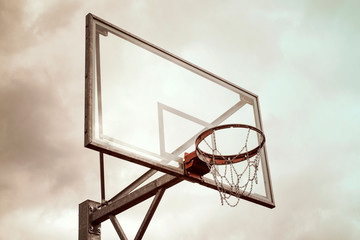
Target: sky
column 300, row 57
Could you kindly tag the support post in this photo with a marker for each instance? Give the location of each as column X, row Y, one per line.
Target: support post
column 87, row 230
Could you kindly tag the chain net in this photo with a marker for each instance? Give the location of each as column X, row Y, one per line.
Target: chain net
column 240, row 177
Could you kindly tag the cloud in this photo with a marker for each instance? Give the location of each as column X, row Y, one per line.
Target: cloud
column 12, row 25
column 26, row 24
column 55, row 15
column 40, row 143
column 36, row 139
column 300, row 58
column 48, row 221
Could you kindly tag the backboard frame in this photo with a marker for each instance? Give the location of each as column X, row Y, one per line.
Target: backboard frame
column 90, row 101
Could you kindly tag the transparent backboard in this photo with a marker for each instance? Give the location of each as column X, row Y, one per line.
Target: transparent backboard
column 146, row 105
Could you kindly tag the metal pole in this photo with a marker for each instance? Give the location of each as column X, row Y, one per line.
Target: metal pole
column 102, row 178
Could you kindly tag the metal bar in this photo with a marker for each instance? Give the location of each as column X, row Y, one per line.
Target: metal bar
column 134, row 185
column 98, row 85
column 254, row 198
column 117, row 227
column 102, row 177
column 89, row 77
column 135, row 158
column 134, row 198
column 150, row 214
column 264, row 163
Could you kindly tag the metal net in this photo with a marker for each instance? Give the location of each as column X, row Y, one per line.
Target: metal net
column 237, row 178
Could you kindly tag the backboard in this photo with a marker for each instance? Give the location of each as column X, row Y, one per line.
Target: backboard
column 146, row 105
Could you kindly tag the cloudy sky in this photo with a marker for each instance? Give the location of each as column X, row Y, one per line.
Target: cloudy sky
column 300, row 57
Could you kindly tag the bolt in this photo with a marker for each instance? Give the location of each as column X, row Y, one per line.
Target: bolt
column 99, row 230
column 91, row 208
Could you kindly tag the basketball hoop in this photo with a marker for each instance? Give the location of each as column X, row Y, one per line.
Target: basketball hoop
column 235, row 172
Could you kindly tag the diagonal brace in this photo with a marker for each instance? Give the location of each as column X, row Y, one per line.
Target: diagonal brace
column 150, row 214
column 117, row 227
column 134, row 185
column 134, row 198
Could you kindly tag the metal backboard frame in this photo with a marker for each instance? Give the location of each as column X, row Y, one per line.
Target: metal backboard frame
column 95, row 138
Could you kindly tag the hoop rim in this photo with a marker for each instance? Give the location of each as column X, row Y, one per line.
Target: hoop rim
column 215, row 159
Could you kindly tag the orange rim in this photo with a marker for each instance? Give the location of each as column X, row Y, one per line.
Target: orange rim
column 224, row 159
